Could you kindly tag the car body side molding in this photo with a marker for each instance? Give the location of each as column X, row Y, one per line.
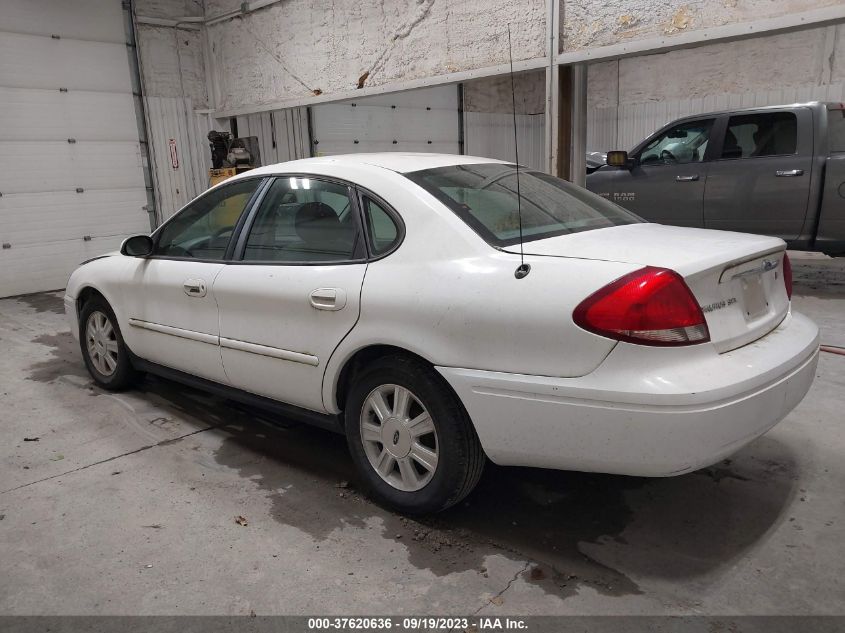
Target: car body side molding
column 272, row 352
column 191, row 335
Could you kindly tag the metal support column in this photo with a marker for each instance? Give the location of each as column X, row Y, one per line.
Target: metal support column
column 578, row 122
column 140, row 111
column 552, row 141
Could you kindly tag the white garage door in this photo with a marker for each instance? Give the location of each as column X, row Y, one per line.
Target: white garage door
column 71, row 183
column 422, row 120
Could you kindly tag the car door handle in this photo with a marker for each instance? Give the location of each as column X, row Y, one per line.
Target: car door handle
column 691, row 178
column 789, row 173
column 194, row 287
column 331, row 299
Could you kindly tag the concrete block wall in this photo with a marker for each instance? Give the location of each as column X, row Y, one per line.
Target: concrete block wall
column 488, row 117
column 807, row 57
column 301, row 48
column 493, row 94
column 172, row 63
column 171, row 58
column 594, row 23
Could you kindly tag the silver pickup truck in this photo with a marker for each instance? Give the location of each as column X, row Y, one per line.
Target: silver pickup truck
column 775, row 171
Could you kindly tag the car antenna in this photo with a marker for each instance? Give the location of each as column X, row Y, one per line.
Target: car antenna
column 523, row 269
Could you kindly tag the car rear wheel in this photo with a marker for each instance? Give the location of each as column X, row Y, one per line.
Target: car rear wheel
column 410, row 437
column 103, row 349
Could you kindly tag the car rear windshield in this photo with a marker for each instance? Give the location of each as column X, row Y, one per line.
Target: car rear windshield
column 836, row 129
column 485, row 197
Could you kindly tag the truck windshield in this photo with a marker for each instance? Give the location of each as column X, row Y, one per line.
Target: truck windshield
column 836, row 130
column 485, row 197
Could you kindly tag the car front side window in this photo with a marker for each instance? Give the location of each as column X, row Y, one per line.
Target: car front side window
column 682, row 144
column 304, row 220
column 203, row 229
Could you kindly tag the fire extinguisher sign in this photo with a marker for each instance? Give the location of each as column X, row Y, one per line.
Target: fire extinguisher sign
column 174, row 157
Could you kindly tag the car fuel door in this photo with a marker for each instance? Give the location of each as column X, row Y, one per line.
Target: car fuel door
column 293, row 292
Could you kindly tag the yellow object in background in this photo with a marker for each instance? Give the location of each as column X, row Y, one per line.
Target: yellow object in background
column 229, row 209
column 216, row 176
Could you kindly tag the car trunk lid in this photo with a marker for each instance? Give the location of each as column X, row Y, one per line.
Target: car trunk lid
column 736, row 278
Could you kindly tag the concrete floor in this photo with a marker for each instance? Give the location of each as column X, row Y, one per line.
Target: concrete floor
column 126, row 504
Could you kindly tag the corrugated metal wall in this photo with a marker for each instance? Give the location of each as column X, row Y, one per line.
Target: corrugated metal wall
column 282, row 134
column 490, row 134
column 624, row 126
column 176, row 185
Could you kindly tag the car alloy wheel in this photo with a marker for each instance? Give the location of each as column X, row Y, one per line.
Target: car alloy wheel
column 101, row 341
column 399, row 437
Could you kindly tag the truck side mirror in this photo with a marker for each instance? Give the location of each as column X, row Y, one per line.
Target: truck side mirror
column 619, row 158
column 137, row 246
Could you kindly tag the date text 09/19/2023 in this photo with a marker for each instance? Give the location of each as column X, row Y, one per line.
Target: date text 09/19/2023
column 417, row 623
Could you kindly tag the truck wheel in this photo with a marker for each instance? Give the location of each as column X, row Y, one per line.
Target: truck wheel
column 410, row 437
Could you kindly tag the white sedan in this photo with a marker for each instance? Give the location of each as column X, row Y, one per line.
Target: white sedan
column 384, row 296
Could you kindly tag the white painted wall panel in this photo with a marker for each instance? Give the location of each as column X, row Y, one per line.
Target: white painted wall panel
column 490, row 134
column 30, row 167
column 98, row 20
column 424, row 120
column 30, row 218
column 33, row 61
column 47, row 265
column 46, row 226
column 50, row 115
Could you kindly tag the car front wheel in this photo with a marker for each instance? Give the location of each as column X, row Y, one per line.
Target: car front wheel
column 103, row 349
column 410, row 437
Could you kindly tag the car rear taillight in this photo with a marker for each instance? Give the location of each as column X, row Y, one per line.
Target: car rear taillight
column 787, row 275
column 650, row 306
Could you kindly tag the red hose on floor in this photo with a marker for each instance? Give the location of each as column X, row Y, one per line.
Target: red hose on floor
column 833, row 349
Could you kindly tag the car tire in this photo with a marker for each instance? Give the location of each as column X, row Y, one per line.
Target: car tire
column 103, row 349
column 392, row 441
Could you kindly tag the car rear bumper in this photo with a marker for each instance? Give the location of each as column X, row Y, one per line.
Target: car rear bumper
column 645, row 411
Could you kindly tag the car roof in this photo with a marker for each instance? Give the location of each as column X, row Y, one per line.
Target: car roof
column 401, row 162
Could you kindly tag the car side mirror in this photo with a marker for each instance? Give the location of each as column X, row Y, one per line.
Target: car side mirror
column 619, row 158
column 137, row 246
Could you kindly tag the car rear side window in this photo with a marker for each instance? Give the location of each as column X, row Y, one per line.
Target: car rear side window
column 485, row 197
column 304, row 220
column 381, row 227
column 758, row 135
column 836, row 129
